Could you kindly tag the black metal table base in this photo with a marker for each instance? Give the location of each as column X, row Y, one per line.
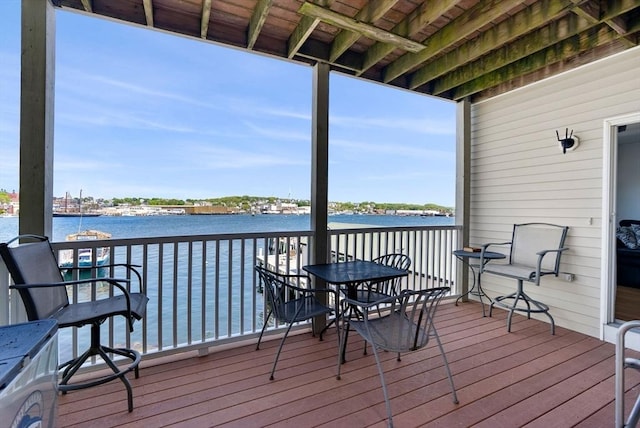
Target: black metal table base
column 476, row 287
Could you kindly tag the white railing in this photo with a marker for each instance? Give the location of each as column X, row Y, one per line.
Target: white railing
column 203, row 291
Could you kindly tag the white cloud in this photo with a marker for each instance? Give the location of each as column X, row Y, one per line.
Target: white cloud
column 420, row 125
column 392, row 148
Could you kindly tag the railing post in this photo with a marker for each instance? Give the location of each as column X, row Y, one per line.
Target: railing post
column 319, row 171
column 463, row 185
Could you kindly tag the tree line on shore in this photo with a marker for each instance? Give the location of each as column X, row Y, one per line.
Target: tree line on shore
column 248, row 201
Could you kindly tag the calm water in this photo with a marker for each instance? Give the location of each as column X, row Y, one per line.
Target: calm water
column 148, row 226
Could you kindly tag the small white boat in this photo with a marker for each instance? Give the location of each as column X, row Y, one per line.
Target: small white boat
column 86, row 255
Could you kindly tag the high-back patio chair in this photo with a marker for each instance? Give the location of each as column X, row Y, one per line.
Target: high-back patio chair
column 36, row 275
column 372, row 291
column 290, row 300
column 534, row 251
column 405, row 325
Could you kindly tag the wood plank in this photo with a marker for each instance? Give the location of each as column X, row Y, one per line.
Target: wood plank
column 257, row 20
column 502, row 379
column 370, row 14
column 347, row 23
column 480, row 15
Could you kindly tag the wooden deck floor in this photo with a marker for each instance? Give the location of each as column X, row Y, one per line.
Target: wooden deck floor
column 524, row 378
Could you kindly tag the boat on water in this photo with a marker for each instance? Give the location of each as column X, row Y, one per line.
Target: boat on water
column 86, row 255
column 63, row 214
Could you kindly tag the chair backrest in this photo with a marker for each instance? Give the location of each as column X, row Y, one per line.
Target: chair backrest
column 416, row 306
column 34, row 262
column 531, row 238
column 275, row 290
column 399, row 261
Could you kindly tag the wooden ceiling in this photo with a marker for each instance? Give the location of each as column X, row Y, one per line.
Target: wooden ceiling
column 448, row 48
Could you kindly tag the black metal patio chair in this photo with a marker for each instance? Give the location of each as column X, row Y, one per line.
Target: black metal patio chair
column 534, row 251
column 290, row 300
column 406, row 324
column 376, row 290
column 34, row 268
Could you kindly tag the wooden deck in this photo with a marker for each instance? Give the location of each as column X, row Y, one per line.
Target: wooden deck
column 524, row 378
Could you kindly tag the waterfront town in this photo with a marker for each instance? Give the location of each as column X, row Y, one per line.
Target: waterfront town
column 89, row 206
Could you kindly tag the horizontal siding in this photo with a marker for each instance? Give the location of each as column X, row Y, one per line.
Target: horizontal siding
column 519, row 175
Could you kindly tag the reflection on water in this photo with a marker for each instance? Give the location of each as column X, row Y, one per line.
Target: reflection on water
column 149, row 226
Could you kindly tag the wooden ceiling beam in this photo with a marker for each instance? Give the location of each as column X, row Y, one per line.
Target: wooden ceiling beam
column 506, row 31
column 372, row 12
column 592, row 10
column 88, row 5
column 545, row 37
column 148, row 11
column 300, row 35
column 317, row 51
column 463, row 26
column 347, row 23
column 558, row 30
column 257, row 20
column 563, row 51
column 422, row 16
column 204, row 20
column 303, row 30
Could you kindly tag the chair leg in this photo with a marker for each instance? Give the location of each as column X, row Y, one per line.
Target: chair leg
column 341, row 347
column 264, row 326
column 446, row 366
column 384, row 387
column 124, row 379
column 275, row 362
column 538, row 307
column 516, row 298
column 96, row 349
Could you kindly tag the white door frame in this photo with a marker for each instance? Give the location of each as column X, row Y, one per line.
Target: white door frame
column 609, row 327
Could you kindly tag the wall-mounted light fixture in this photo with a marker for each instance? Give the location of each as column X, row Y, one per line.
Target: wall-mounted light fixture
column 569, row 142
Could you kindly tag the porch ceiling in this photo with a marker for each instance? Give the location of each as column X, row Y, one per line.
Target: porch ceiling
column 451, row 49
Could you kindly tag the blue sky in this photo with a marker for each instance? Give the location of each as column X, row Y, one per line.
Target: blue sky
column 141, row 113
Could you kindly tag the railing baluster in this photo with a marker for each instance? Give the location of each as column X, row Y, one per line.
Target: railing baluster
column 174, row 303
column 225, row 269
column 145, row 277
column 216, row 292
column 203, row 292
column 189, row 290
column 229, row 286
column 160, row 296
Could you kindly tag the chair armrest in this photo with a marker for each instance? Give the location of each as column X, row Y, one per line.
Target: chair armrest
column 366, row 306
column 302, row 290
column 558, row 250
column 131, row 268
column 111, row 281
column 485, row 248
column 541, row 255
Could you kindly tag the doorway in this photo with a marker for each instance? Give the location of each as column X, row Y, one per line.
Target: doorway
column 621, row 182
column 627, row 209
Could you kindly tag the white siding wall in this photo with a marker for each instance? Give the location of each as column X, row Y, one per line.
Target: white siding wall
column 519, row 175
